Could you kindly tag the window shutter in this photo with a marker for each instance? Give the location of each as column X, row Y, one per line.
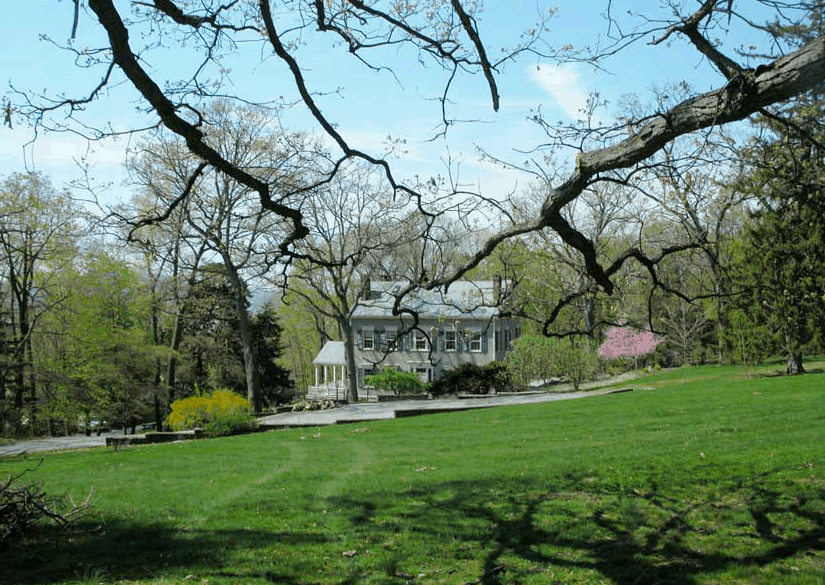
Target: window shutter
column 484, row 336
column 359, row 339
column 380, row 340
column 442, row 342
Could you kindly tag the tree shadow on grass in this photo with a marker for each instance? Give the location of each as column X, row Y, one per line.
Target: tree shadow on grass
column 518, row 531
column 490, row 532
column 127, row 551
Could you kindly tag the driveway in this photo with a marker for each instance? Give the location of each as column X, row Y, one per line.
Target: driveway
column 28, row 446
column 348, row 413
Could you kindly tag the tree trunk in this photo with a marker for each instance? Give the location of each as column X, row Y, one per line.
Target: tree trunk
column 156, row 396
column 794, row 363
column 793, row 349
column 349, row 350
column 253, row 391
column 590, row 316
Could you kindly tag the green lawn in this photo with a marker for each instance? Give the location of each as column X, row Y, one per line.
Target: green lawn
column 700, row 475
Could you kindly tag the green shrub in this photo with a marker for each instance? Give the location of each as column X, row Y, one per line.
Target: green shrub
column 224, row 424
column 220, row 413
column 396, row 381
column 473, row 379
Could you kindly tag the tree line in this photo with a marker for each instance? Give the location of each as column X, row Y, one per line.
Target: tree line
column 693, row 214
column 91, row 336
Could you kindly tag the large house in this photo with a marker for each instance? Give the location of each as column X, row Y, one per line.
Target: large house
column 460, row 325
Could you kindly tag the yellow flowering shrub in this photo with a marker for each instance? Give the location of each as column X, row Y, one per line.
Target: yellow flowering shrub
column 221, row 409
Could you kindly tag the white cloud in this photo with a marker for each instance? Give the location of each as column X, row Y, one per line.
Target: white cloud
column 563, row 83
column 55, row 153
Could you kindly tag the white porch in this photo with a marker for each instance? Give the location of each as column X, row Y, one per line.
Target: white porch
column 331, row 376
column 330, row 383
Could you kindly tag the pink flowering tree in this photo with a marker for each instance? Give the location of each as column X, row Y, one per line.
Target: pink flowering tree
column 621, row 342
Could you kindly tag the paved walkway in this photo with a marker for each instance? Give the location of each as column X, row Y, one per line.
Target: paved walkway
column 364, row 411
column 397, row 409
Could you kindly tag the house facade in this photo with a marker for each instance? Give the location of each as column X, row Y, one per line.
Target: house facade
column 460, row 325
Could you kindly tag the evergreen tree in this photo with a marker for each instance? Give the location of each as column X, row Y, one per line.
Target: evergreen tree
column 783, row 267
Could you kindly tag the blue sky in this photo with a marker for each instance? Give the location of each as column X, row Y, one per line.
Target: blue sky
column 371, row 105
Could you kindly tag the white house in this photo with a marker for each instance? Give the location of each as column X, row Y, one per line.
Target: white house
column 461, row 325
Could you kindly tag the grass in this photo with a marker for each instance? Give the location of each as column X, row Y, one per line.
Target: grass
column 700, row 476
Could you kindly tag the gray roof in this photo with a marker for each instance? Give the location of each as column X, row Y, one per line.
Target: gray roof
column 463, row 298
column 332, row 354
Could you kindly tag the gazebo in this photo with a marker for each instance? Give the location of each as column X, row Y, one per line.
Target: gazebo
column 330, row 373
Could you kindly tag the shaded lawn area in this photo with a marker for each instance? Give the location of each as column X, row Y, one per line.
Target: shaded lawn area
column 708, row 476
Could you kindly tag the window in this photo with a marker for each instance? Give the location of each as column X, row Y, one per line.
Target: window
column 475, row 341
column 419, row 341
column 369, row 339
column 450, row 341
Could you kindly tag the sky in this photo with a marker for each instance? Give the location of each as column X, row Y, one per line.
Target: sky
column 370, row 106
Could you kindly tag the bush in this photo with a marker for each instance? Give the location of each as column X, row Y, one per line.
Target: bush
column 396, row 381
column 220, row 413
column 473, row 379
column 225, row 424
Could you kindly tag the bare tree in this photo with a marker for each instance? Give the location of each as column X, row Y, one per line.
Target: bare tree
column 220, row 215
column 355, row 226
column 446, row 34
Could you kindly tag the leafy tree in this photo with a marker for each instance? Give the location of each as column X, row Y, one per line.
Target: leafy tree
column 785, row 276
column 101, row 361
column 783, row 263
column 37, row 238
column 748, row 338
column 531, row 359
column 539, row 358
column 171, row 257
column 212, row 354
column 210, row 346
column 305, row 330
column 267, row 332
column 577, row 361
